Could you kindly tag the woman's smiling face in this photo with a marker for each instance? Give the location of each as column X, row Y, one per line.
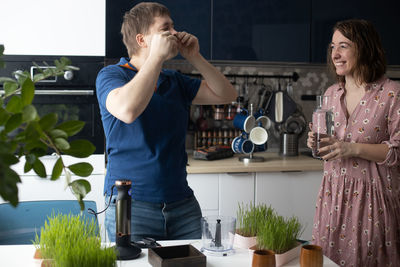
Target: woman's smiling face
column 343, row 54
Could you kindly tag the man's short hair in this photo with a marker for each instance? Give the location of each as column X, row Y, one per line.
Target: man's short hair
column 138, row 20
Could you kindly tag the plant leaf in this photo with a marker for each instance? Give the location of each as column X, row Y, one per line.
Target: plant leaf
column 8, row 184
column 27, row 91
column 33, row 131
column 82, row 169
column 29, row 113
column 35, row 144
column 15, row 104
column 6, row 79
column 80, row 149
column 57, row 169
column 67, row 179
column 80, row 188
column 10, row 87
column 56, row 133
column 13, row 122
column 8, row 159
column 4, row 116
column 39, row 168
column 48, row 121
column 61, row 144
column 27, row 167
column 1, row 49
column 71, row 127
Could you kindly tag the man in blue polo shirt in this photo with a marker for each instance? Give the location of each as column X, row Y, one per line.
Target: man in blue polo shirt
column 145, row 111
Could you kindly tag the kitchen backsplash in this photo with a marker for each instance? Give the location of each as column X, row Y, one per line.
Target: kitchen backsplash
column 313, row 80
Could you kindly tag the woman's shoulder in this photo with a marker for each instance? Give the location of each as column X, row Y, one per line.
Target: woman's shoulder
column 333, row 89
column 391, row 85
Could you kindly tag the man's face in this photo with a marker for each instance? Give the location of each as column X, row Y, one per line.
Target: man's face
column 162, row 24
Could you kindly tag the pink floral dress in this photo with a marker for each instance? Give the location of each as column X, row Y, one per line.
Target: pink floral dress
column 357, row 220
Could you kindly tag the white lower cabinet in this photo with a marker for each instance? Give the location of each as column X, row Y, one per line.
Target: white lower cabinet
column 205, row 187
column 235, row 188
column 290, row 193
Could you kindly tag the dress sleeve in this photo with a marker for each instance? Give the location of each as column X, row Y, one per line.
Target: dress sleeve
column 393, row 156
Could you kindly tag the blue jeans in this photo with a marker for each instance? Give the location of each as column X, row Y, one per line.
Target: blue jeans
column 161, row 221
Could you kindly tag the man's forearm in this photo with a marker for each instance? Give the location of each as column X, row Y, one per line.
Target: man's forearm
column 215, row 80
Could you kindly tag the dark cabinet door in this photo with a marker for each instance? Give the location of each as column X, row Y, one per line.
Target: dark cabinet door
column 190, row 16
column 265, row 30
column 383, row 14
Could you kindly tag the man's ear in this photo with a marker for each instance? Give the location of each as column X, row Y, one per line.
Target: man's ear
column 141, row 40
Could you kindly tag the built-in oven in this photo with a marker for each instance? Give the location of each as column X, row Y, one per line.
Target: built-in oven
column 71, row 97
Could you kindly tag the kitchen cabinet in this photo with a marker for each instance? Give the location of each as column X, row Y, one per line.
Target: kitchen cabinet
column 190, row 16
column 235, row 188
column 290, row 193
column 384, row 15
column 220, row 193
column 264, row 30
column 206, row 190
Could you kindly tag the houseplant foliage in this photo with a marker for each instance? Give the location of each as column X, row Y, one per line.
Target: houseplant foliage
column 251, row 217
column 279, row 234
column 23, row 133
column 73, row 240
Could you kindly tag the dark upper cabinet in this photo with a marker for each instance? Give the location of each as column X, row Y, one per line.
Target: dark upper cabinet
column 265, row 30
column 190, row 16
column 383, row 14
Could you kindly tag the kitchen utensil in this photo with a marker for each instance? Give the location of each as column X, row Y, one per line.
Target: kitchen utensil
column 323, row 123
column 217, row 235
column 294, row 124
column 289, row 145
column 126, row 250
column 286, row 107
column 279, row 106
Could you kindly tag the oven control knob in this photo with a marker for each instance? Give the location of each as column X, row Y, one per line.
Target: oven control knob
column 17, row 74
column 68, row 75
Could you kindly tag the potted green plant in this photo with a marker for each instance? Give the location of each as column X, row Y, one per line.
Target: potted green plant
column 23, row 133
column 249, row 219
column 72, row 240
column 280, row 235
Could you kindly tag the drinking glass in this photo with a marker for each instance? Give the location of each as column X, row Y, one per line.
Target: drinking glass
column 323, row 124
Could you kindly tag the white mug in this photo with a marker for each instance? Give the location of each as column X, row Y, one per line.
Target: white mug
column 258, row 135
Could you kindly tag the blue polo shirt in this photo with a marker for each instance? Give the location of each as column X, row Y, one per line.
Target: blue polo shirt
column 151, row 150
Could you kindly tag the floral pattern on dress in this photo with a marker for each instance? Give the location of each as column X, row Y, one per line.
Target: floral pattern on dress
column 357, row 220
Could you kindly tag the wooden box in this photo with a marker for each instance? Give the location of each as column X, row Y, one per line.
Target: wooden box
column 176, row 256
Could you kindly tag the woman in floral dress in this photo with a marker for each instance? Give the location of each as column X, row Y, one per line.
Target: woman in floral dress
column 357, row 220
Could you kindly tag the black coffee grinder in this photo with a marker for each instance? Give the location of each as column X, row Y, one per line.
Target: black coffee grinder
column 126, row 250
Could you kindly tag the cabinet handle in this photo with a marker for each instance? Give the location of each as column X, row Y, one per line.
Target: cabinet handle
column 238, row 173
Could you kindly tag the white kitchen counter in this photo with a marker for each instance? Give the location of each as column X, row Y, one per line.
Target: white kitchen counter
column 22, row 255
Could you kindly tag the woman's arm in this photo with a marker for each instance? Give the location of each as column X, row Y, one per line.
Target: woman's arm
column 339, row 149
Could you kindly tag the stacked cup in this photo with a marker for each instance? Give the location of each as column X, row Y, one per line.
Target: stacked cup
column 254, row 132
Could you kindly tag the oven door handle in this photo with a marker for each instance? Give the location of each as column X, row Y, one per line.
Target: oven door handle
column 60, row 92
column 64, row 92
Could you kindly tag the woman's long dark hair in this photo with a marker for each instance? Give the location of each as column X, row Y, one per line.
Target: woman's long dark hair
column 370, row 55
